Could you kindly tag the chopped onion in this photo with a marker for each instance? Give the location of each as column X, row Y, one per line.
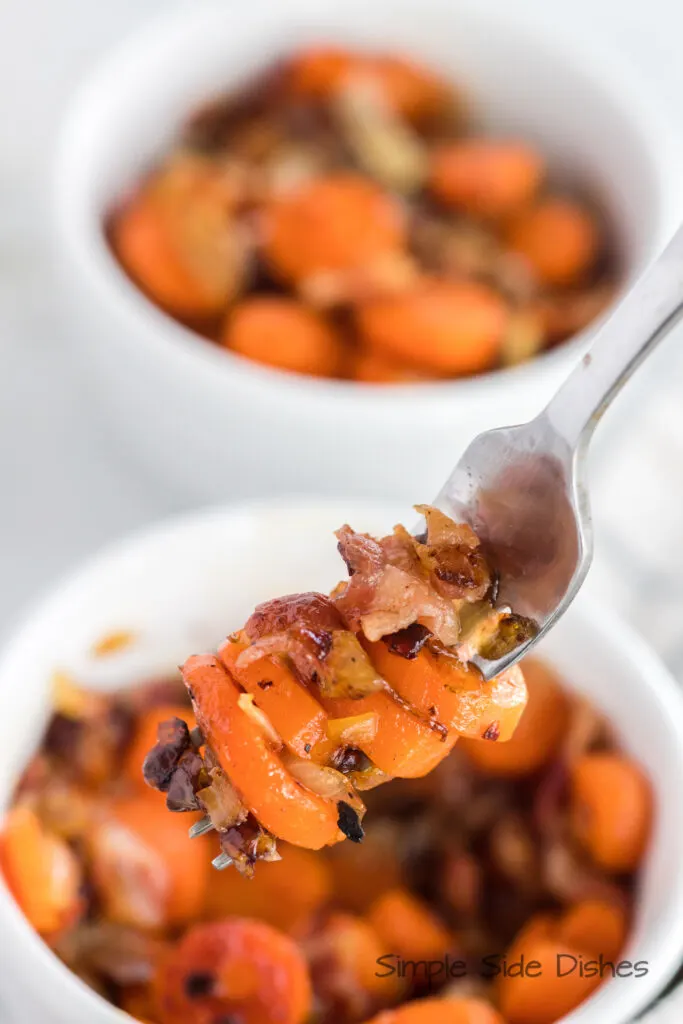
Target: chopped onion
column 246, row 702
column 353, row 731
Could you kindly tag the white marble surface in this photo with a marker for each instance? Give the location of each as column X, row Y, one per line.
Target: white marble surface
column 64, row 488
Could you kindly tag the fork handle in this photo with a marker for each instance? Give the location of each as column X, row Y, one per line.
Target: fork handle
column 648, row 312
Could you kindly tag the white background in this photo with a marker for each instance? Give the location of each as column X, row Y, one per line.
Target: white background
column 65, row 487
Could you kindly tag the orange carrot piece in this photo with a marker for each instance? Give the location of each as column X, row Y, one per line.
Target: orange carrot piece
column 539, row 731
column 409, row 927
column 486, row 177
column 559, row 238
column 441, row 1011
column 450, row 327
column 405, row 745
column 281, row 803
column 296, row 714
column 147, row 871
column 611, row 809
column 284, row 333
column 597, row 926
column 364, row 871
column 453, row 693
column 350, row 948
column 145, row 737
column 343, row 222
column 42, row 872
column 284, row 894
column 547, row 997
column 235, row 969
column 412, row 91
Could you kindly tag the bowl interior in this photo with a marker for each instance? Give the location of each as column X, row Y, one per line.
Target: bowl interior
column 586, row 117
column 181, row 587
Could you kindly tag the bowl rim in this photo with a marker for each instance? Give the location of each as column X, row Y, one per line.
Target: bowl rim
column 602, row 621
column 600, row 68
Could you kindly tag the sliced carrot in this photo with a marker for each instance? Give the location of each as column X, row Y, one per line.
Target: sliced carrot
column 537, row 737
column 296, row 714
column 42, row 872
column 340, row 222
column 559, row 238
column 453, row 693
column 284, row 893
column 145, row 737
column 405, row 745
column 284, row 333
column 321, row 73
column 486, row 177
column 596, row 926
column 175, row 238
column 611, row 809
column 234, row 970
column 282, row 804
column 454, row 327
column 546, row 997
column 441, row 1011
column 147, row 872
column 409, row 927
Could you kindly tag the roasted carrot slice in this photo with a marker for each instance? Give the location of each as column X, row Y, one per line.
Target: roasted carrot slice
column 441, row 1011
column 280, row 803
column 486, row 177
column 147, row 872
column 451, row 327
column 321, row 73
column 537, row 737
column 42, row 872
column 409, row 927
column 284, row 894
column 453, row 693
column 559, row 238
column 238, row 970
column 547, row 997
column 344, row 956
column 596, row 926
column 296, row 714
column 406, row 744
column 145, row 737
column 611, row 809
column 286, row 334
column 343, row 222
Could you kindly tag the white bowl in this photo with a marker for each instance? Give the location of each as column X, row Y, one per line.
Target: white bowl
column 215, row 425
column 181, row 586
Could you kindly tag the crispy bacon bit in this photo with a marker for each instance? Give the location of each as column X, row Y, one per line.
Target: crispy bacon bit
column 185, row 782
column 310, row 611
column 453, row 557
column 493, row 732
column 248, row 843
column 309, row 630
column 408, row 643
column 173, row 739
column 349, row 822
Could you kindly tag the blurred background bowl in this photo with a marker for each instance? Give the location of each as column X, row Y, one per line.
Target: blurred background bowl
column 212, row 425
column 175, row 587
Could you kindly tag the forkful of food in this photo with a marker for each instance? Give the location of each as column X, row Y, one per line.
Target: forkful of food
column 320, row 697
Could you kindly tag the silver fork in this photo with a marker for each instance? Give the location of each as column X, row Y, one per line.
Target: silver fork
column 523, row 489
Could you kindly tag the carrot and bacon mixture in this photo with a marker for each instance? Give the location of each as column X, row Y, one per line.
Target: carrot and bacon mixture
column 525, row 847
column 321, row 698
column 342, row 216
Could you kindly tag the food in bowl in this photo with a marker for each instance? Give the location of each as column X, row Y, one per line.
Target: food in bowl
column 529, row 848
column 342, row 217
